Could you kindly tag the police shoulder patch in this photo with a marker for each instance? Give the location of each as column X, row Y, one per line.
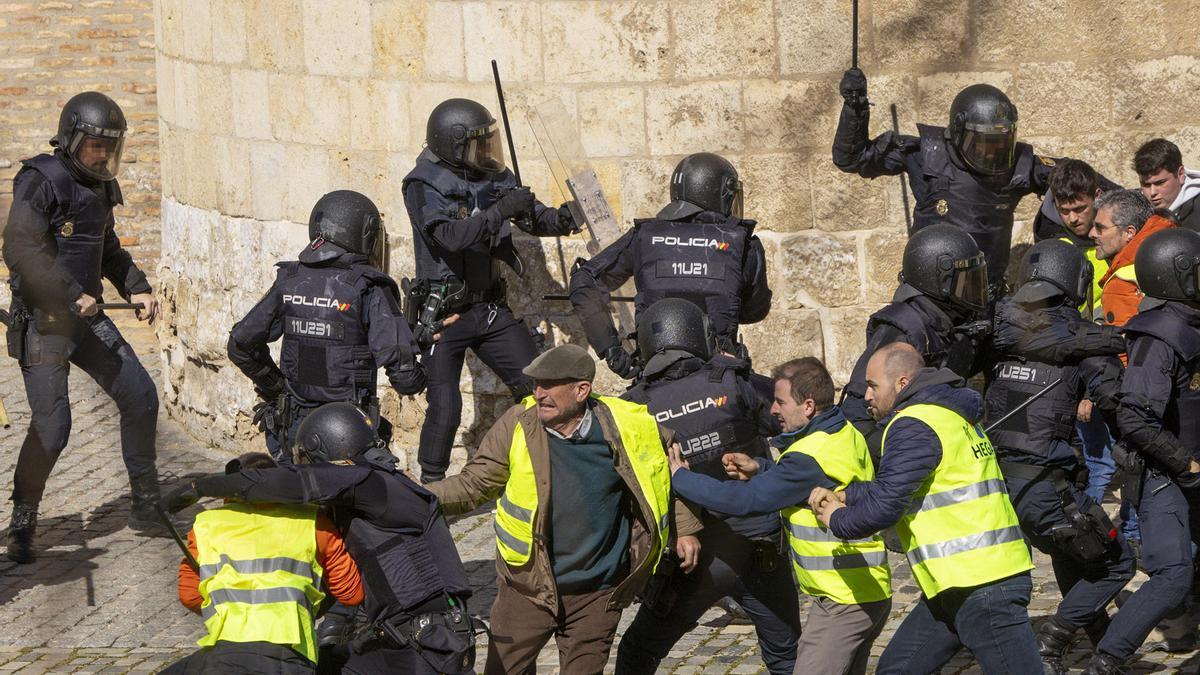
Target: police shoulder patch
column 67, row 229
column 1047, row 161
column 1195, row 383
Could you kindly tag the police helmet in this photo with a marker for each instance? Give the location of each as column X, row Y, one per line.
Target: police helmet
column 1053, row 267
column 336, row 432
column 91, row 135
column 983, row 129
column 704, row 182
column 1167, row 265
column 944, row 262
column 345, row 221
column 670, row 328
column 463, row 133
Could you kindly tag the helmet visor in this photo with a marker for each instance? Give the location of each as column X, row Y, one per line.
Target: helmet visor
column 989, row 151
column 735, row 201
column 380, row 256
column 98, row 156
column 969, row 286
column 484, row 150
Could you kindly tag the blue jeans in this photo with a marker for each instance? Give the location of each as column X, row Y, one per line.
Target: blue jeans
column 1097, row 453
column 991, row 620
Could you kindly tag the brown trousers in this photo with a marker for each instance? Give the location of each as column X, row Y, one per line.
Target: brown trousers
column 582, row 627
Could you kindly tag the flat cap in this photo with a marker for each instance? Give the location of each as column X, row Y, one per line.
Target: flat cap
column 564, row 362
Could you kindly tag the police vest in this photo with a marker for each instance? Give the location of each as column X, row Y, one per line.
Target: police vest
column 325, row 354
column 696, row 261
column 946, row 193
column 259, row 576
column 517, row 510
column 1091, row 308
column 1032, row 429
column 404, row 568
column 78, row 223
column 708, row 414
column 478, row 264
column 847, row 571
column 941, row 346
column 960, row 530
column 1182, row 414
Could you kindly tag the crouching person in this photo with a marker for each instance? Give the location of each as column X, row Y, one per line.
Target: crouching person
column 259, row 582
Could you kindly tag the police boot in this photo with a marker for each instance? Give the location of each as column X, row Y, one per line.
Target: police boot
column 21, row 532
column 1053, row 641
column 1104, row 664
column 145, row 503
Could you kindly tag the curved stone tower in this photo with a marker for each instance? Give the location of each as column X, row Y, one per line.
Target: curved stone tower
column 267, row 104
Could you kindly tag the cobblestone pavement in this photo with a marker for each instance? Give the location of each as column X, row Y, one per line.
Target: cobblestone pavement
column 101, row 600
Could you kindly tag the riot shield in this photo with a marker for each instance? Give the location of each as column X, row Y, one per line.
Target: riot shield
column 558, row 141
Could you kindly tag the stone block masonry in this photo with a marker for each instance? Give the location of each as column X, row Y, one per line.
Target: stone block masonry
column 267, row 104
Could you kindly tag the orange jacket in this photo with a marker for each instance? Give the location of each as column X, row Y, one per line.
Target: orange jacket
column 341, row 574
column 1121, row 294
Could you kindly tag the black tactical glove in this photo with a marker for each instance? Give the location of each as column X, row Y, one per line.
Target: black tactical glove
column 621, row 362
column 264, row 416
column 409, row 381
column 566, row 221
column 180, row 497
column 515, row 203
column 854, row 88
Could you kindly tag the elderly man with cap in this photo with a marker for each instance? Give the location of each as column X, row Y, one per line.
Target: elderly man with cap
column 583, row 516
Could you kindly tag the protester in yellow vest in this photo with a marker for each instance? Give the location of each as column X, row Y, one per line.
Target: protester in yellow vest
column 849, row 581
column 939, row 485
column 583, row 516
column 259, row 583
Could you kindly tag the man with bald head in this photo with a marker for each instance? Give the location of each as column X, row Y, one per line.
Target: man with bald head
column 939, row 485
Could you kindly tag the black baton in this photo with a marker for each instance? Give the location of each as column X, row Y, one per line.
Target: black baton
column 166, row 520
column 1024, row 404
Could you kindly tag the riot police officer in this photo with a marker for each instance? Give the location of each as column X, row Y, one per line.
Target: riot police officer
column 462, row 202
column 1049, row 358
column 415, row 583
column 971, row 173
column 1159, row 420
column 939, row 308
column 59, row 243
column 715, row 405
column 340, row 319
column 699, row 248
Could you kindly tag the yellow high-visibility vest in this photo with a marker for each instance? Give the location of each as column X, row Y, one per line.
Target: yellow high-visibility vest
column 849, row 572
column 259, row 576
column 960, row 530
column 517, row 508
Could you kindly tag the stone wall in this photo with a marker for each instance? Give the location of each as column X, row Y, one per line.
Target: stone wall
column 51, row 50
column 267, row 104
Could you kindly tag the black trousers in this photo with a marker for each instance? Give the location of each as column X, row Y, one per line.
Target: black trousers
column 99, row 350
column 727, row 567
column 261, row 658
column 499, row 340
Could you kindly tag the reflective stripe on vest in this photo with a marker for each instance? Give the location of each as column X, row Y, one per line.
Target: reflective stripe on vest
column 847, row 571
column 961, row 531
column 516, row 510
column 259, row 576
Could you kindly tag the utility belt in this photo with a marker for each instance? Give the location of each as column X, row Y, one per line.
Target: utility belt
column 1087, row 535
column 428, row 301
column 441, row 631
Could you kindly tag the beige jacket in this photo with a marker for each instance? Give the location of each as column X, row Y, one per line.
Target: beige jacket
column 484, row 477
